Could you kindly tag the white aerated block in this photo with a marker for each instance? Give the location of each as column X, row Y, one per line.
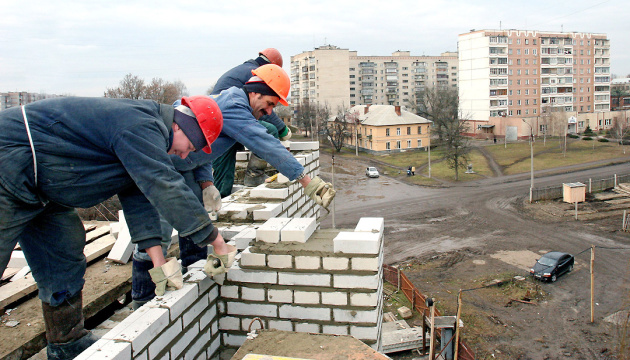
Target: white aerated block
column 357, row 242
column 270, row 230
column 304, row 145
column 299, row 230
column 370, row 224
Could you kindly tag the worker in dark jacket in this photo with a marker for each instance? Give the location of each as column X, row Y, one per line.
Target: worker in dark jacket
column 224, row 166
column 63, row 153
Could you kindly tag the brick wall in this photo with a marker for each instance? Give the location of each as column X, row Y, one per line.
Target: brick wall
column 289, row 275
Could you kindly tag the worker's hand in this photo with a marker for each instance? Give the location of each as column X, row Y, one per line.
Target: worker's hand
column 287, row 136
column 211, row 199
column 321, row 192
column 218, row 264
column 167, row 277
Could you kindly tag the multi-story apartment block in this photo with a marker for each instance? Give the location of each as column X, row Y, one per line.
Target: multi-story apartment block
column 518, row 73
column 342, row 79
column 11, row 99
column 620, row 94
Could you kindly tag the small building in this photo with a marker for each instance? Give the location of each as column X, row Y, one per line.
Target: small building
column 388, row 128
column 573, row 192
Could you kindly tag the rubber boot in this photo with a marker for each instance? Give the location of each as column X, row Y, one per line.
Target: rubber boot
column 142, row 287
column 255, row 172
column 65, row 331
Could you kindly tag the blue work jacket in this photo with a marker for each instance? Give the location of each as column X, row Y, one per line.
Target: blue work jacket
column 89, row 149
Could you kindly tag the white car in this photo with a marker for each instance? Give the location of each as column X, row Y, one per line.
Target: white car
column 371, row 172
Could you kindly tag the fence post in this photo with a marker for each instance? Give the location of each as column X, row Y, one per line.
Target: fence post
column 623, row 223
column 590, row 190
column 398, row 279
column 615, row 180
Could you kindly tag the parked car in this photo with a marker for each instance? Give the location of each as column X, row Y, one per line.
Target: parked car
column 372, row 172
column 551, row 265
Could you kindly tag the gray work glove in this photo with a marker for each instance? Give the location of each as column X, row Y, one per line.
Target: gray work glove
column 218, row 264
column 211, row 199
column 321, row 192
column 167, row 277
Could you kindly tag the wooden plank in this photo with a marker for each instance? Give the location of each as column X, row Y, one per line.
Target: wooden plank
column 15, row 290
column 9, row 272
column 97, row 233
column 17, row 260
column 22, row 273
column 99, row 247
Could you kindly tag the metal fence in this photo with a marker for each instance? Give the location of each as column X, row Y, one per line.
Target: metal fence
column 592, row 186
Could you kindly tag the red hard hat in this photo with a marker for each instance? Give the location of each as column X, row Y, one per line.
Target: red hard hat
column 208, row 116
column 273, row 55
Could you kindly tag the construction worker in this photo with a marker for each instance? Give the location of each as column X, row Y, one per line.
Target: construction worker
column 62, row 153
column 224, row 166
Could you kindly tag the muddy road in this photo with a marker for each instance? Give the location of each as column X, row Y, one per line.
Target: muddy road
column 489, row 229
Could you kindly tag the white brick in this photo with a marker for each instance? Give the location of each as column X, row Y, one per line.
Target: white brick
column 163, row 340
column 364, row 299
column 207, row 317
column 196, row 347
column 307, row 262
column 143, row 356
column 304, row 313
column 238, row 308
column 196, row 276
column 252, row 259
column 282, row 179
column 315, row 154
column 230, row 231
column 123, row 247
column 280, row 261
column 335, row 298
column 269, row 211
column 233, row 339
column 368, row 264
column 298, row 230
column 264, row 192
column 364, row 333
column 140, row 327
column 292, row 209
column 176, row 301
column 253, row 294
column 184, row 342
column 242, row 155
column 107, row 349
column 370, row 224
column 356, row 281
column 229, row 291
column 306, row 297
column 304, row 279
column 281, row 325
column 335, row 263
column 304, row 145
column 235, row 211
column 270, row 230
column 306, row 327
column 213, row 348
column 243, row 239
column 287, row 203
column 252, row 276
column 355, row 316
column 335, row 329
column 229, row 323
column 279, row 296
column 194, row 311
column 357, row 243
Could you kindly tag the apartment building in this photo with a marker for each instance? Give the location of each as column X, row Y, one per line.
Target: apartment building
column 523, row 74
column 620, row 94
column 342, row 79
column 11, row 99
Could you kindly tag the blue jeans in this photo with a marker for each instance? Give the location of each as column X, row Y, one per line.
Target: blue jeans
column 52, row 238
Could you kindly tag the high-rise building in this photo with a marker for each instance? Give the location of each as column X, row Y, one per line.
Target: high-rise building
column 12, row 99
column 522, row 73
column 340, row 78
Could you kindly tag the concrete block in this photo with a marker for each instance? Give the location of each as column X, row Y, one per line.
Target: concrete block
column 252, row 259
column 163, row 340
column 184, row 342
column 336, row 263
column 284, row 296
column 140, row 328
column 307, row 328
column 355, row 316
column 371, row 224
column 364, row 332
column 304, row 279
column 176, row 301
column 264, row 192
column 229, row 323
column 239, row 308
column 306, row 297
column 366, row 264
column 335, row 329
column 280, row 261
column 123, row 247
column 281, row 325
column 298, row 230
column 341, row 281
column 252, row 294
column 270, row 230
column 107, row 349
column 242, row 155
column 304, row 145
column 335, row 298
column 194, row 311
column 364, row 299
column 251, row 276
column 404, row 312
column 307, row 262
column 357, row 243
column 267, row 211
column 304, row 313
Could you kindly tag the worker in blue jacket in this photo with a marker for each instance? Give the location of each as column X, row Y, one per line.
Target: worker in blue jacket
column 63, row 153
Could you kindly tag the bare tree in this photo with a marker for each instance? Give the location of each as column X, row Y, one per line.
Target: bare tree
column 457, row 144
column 163, row 92
column 321, row 118
column 620, row 130
column 438, row 104
column 305, row 116
column 337, row 130
column 133, row 87
column 130, row 87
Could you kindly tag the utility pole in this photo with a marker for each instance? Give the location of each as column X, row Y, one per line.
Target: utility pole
column 531, row 152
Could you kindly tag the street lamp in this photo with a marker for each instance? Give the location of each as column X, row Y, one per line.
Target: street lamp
column 531, row 152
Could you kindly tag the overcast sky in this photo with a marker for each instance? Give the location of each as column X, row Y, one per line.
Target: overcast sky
column 81, row 48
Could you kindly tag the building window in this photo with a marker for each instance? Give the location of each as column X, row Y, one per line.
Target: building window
column 518, row 112
column 387, row 146
column 419, row 130
column 398, row 144
column 419, row 143
column 387, row 133
column 398, row 133
column 408, row 130
column 408, row 144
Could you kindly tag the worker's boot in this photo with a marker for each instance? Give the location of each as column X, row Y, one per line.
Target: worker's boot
column 255, row 172
column 142, row 287
column 65, row 332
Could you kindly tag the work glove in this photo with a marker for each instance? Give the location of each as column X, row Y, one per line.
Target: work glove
column 211, row 199
column 321, row 192
column 218, row 264
column 167, row 277
column 287, row 136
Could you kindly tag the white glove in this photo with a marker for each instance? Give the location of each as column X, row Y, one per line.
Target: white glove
column 167, row 277
column 218, row 264
column 287, row 136
column 211, row 199
column 321, row 192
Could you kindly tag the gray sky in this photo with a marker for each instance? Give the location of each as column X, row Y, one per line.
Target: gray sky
column 81, row 48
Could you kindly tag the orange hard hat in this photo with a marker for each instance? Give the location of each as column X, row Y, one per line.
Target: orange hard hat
column 273, row 55
column 208, row 116
column 276, row 78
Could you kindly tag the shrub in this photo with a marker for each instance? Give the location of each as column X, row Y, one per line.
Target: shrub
column 573, row 136
column 603, row 140
column 587, row 138
column 588, row 130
